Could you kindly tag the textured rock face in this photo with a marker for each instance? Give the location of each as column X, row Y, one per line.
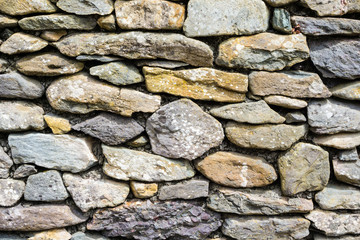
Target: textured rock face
column 161, row 63
column 185, row 190
column 181, row 129
column 57, row 124
column 5, row 164
column 264, row 51
column 349, row 91
column 332, row 8
column 349, row 155
column 244, row 17
column 15, row 85
column 87, row 7
column 200, row 83
column 54, row 234
column 24, row 170
column 138, row 45
column 22, row 43
column 6, row 21
column 237, row 170
column 178, row 220
column 348, row 172
column 61, row 152
column 87, row 236
column 53, row 35
column 295, row 117
column 285, row 102
column 143, row 190
column 11, row 191
column 107, row 22
column 339, row 141
column 24, row 7
column 281, row 20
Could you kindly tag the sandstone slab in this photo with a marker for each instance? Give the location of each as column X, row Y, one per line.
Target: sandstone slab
column 24, row 7
column 53, row 35
column 161, row 63
column 194, row 188
column 6, row 21
column 22, row 43
column 87, row 7
column 279, row 3
column 11, row 191
column 57, row 124
column 107, row 22
column 24, row 170
column 339, row 141
column 285, row 102
column 349, row 91
column 143, row 190
column 5, row 164
column 349, row 155
column 54, row 234
column 348, row 172
column 332, row 8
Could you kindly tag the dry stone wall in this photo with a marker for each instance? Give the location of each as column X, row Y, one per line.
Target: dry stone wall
column 198, row 119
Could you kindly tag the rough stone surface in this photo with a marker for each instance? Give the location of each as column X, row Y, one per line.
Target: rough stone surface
column 295, row 117
column 343, row 237
column 195, row 188
column 281, row 20
column 25, row 170
column 349, row 155
column 161, row 64
column 138, row 142
column 279, row 3
column 53, row 35
column 24, row 7
column 237, row 170
column 349, row 91
column 97, row 58
column 285, row 102
column 348, row 172
column 87, row 236
column 11, row 191
column 107, row 22
column 22, row 43
column 3, row 65
column 339, row 141
column 5, row 164
column 332, row 8
column 181, row 129
column 57, row 124
column 6, row 21
column 87, row 7
column 54, row 234
column 143, row 190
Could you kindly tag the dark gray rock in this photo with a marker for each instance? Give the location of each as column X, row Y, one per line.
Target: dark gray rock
column 191, row 189
column 5, row 164
column 25, row 170
column 281, row 20
column 11, row 191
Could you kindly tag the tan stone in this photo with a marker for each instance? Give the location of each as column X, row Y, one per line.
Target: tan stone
column 143, row 190
column 23, row 7
column 54, row 234
column 22, row 43
column 285, row 102
column 332, row 8
column 138, row 142
column 279, row 3
column 339, row 141
column 6, row 21
column 107, row 22
column 350, row 91
column 347, row 172
column 86, row 7
column 57, row 124
column 54, row 35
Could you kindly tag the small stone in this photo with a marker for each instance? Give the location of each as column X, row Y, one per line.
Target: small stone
column 3, row 65
column 24, row 7
column 54, row 234
column 237, row 170
column 181, row 129
column 161, row 64
column 305, row 167
column 343, row 237
column 267, row 136
column 285, row 102
column 347, row 172
column 349, row 155
column 200, row 83
column 107, row 22
column 54, row 35
column 349, row 91
column 281, row 20
column 13, row 236
column 7, row 22
column 332, row 8
column 97, row 58
column 339, row 141
column 295, row 117
column 138, row 142
column 87, row 236
column 58, row 124
column 143, row 190
column 87, row 7
column 264, row 51
column 191, row 189
column 25, row 170
column 279, row 3
column 22, row 43
column 5, row 164
column 10, row 191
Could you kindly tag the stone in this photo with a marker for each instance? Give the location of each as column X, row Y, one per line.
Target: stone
column 138, row 142
column 263, row 51
column 275, row 228
column 3, row 65
column 349, row 91
column 256, row 202
column 54, row 234
column 87, row 236
column 296, row 84
column 7, row 22
column 237, row 170
column 24, row 7
column 90, row 193
column 11, row 191
column 349, row 155
column 326, row 26
column 153, row 220
column 5, row 164
column 138, row 45
column 87, row 7
column 343, row 237
column 71, row 94
column 107, row 22
column 347, row 172
column 143, row 190
column 16, row 85
column 199, row 83
column 285, row 102
column 281, row 20
column 335, row 224
column 58, row 124
column 22, row 43
column 60, row 152
column 53, row 35
column 24, row 170
column 12, row 236
column 330, row 116
column 191, row 189
column 336, row 57
column 181, row 129
column 126, row 164
column 295, row 117
column 305, row 167
column 149, row 14
column 97, row 58
column 332, row 8
column 45, row 186
column 39, row 217
column 20, row 116
column 267, row 136
column 161, row 64
column 118, row 73
column 339, row 140
column 279, row 3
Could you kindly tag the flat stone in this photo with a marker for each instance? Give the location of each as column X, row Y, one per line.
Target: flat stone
column 20, row 116
column 199, row 83
column 349, row 91
column 5, row 164
column 24, row 7
column 264, row 51
column 53, row 35
column 11, row 191
column 343, row 237
column 149, row 14
column 191, row 189
column 16, row 85
column 54, row 234
column 279, row 3
column 39, row 217
column 57, row 124
column 25, row 170
column 237, row 170
column 339, row 141
column 118, row 73
column 336, row 57
column 126, row 164
column 13, row 236
column 71, row 94
column 267, row 136
column 256, row 202
column 295, row 117
column 297, row 84
column 227, row 17
column 107, row 22
column 281, row 20
column 181, row 129
column 305, row 167
column 22, row 43
column 332, row 8
column 243, row 228
column 153, row 220
column 285, row 102
column 61, row 152
column 87, row 7
column 7, row 22
column 138, row 142
column 161, row 63
column 138, row 45
column 347, row 172
column 97, row 58
column 143, row 190
column 349, row 155
column 87, row 236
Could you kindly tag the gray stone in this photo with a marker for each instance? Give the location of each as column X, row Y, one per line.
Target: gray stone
column 181, row 129
column 22, row 43
column 25, row 170
column 349, row 155
column 97, row 58
column 24, row 7
column 339, row 140
column 138, row 142
column 295, row 117
column 61, row 152
column 5, row 164
column 3, row 65
column 10, row 191
column 195, row 188
column 86, row 7
column 279, row 3
column 349, row 91
column 281, row 20
column 107, row 22
column 52, row 234
column 343, row 237
column 13, row 236
column 332, row 8
column 285, row 102
column 347, row 172
column 7, row 22
column 161, row 64
column 87, row 236
column 226, row 17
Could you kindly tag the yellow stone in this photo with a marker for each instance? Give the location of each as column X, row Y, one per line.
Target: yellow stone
column 58, row 125
column 143, row 190
column 54, row 234
column 53, row 35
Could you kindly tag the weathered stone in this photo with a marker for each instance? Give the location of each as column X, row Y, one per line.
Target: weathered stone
column 22, row 43
column 143, row 190
column 256, row 202
column 285, row 102
column 25, row 170
column 138, row 142
column 305, row 167
column 15, row 85
column 54, row 35
column 347, row 172
column 343, row 237
column 54, row 234
column 154, row 220
column 57, row 124
column 24, row 7
column 87, row 236
column 195, row 188
column 5, row 164
column 61, row 152
column 71, row 94
column 279, row 3
column 349, row 155
column 295, row 117
column 13, row 236
column 126, row 164
column 6, row 21
column 281, row 20
column 87, row 7
column 200, row 83
column 39, row 217
column 332, row 8
column 107, row 22
column 264, row 51
column 20, row 116
column 339, row 141
column 270, row 137
column 10, row 191
column 3, row 65
column 161, row 64
column 336, row 57
column 237, row 170
column 97, row 58
column 138, row 45
column 349, row 91
column 275, row 228
column 149, row 14
column 181, row 129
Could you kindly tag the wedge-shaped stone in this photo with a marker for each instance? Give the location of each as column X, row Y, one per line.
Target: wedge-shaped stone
column 194, row 188
column 332, row 8
column 53, row 35
column 39, row 217
column 349, row 91
column 71, row 94
column 200, row 83
column 61, row 152
column 53, row 234
column 57, row 124
column 279, row 3
column 6, row 21
column 143, row 190
column 24, row 7
column 264, row 51
column 349, row 155
column 237, row 170
column 347, row 172
column 5, row 164
column 11, row 191
column 126, row 164
column 285, row 102
column 87, row 7
column 22, row 43
column 339, row 141
column 295, row 117
column 24, row 170
column 107, row 22
column 270, row 137
column 138, row 45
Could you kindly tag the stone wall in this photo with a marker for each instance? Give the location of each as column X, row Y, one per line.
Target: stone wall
column 199, row 119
